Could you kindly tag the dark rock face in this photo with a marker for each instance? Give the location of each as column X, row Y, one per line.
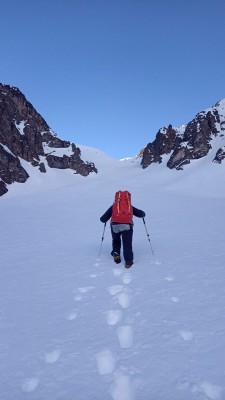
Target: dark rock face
column 3, row 188
column 187, row 143
column 220, row 156
column 165, row 141
column 11, row 169
column 24, row 134
column 72, row 162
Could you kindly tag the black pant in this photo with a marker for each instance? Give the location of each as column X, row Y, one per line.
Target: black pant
column 127, row 243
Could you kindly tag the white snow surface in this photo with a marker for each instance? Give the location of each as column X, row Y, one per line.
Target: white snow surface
column 76, row 326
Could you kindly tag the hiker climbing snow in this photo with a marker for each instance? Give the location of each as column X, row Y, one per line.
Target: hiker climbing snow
column 121, row 214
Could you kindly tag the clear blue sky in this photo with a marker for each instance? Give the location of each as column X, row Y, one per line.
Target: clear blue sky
column 110, row 73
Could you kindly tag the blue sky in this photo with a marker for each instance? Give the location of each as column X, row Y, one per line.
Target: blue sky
column 110, row 73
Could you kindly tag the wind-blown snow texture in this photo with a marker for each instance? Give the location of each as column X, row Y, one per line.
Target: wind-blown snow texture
column 75, row 325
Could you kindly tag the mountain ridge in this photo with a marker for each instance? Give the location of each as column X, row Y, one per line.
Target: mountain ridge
column 25, row 135
column 28, row 144
column 189, row 142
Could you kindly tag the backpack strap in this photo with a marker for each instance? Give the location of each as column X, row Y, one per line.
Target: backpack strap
column 118, row 202
column 129, row 204
column 128, row 201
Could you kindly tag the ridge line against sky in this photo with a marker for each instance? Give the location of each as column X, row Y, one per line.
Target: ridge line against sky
column 110, row 74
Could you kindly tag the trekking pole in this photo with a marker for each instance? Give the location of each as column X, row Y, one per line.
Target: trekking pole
column 148, row 236
column 102, row 240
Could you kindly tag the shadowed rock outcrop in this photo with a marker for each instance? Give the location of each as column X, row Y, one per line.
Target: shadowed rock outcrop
column 189, row 142
column 25, row 135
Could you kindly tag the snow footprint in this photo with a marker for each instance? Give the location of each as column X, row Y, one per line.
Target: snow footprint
column 97, row 262
column 127, row 278
column 93, row 275
column 125, row 336
column 122, row 297
column 52, row 357
column 117, row 272
column 169, row 279
column 204, row 390
column 175, row 299
column 114, row 316
column 186, row 335
column 71, row 316
column 115, row 289
column 124, row 300
column 212, row 392
column 105, row 362
column 121, row 389
column 82, row 290
column 30, row 385
column 85, row 289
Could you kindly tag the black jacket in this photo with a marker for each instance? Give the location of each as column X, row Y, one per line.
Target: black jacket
column 136, row 212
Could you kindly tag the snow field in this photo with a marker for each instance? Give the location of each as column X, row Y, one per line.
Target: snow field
column 75, row 325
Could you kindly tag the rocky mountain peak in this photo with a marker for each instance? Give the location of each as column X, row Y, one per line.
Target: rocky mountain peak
column 190, row 142
column 25, row 135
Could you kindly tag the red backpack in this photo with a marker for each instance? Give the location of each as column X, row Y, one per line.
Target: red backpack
column 122, row 211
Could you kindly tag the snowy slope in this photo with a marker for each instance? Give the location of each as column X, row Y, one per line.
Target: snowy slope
column 76, row 326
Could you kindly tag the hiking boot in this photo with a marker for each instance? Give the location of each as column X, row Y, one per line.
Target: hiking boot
column 128, row 265
column 117, row 258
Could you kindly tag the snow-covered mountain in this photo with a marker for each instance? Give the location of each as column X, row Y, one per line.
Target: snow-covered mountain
column 30, row 150
column 203, row 135
column 25, row 136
